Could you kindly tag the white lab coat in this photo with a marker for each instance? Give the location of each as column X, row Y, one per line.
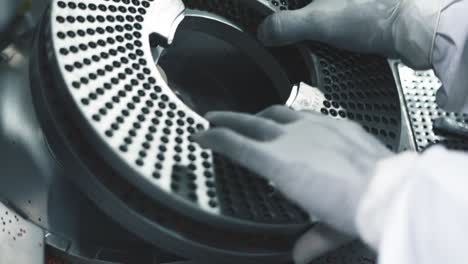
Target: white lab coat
column 415, row 209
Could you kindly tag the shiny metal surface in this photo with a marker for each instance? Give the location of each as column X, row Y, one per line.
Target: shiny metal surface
column 407, row 141
column 34, row 182
column 143, row 215
column 137, row 123
column 20, row 240
column 119, row 122
column 419, row 89
column 169, row 15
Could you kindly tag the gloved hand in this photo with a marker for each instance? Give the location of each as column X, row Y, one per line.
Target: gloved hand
column 450, row 61
column 393, row 28
column 323, row 165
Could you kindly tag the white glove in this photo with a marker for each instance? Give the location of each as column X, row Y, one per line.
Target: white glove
column 323, row 165
column 451, row 56
column 402, row 29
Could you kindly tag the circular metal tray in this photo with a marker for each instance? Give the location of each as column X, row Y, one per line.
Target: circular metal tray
column 110, row 117
column 135, row 122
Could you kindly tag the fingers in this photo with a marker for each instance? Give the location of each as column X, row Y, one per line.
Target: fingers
column 249, row 125
column 280, row 114
column 287, row 27
column 316, row 242
column 349, row 131
column 243, row 150
column 283, row 28
column 454, row 100
column 442, row 97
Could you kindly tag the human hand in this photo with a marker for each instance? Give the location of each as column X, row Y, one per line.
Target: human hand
column 323, row 165
column 393, row 28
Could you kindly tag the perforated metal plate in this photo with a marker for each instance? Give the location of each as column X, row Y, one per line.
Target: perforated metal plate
column 110, row 116
column 138, row 123
column 130, row 207
column 129, row 112
column 419, row 88
column 360, row 88
column 252, row 222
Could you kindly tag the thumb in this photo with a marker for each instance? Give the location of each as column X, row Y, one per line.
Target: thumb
column 287, row 27
column 283, row 28
column 316, row 242
column 442, row 97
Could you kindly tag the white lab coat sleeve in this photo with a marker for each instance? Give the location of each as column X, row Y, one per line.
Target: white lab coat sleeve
column 415, row 209
column 450, row 55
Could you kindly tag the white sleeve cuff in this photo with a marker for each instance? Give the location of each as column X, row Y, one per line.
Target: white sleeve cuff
column 377, row 200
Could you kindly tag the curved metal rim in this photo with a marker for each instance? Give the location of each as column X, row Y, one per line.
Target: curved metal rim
column 126, row 216
column 184, row 206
